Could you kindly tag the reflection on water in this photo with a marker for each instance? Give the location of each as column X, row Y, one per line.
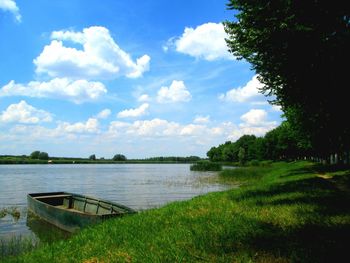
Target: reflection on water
column 139, row 186
column 44, row 231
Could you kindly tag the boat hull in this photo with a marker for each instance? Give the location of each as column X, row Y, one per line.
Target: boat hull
column 72, row 212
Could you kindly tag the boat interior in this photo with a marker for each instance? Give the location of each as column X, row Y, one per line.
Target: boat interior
column 77, row 203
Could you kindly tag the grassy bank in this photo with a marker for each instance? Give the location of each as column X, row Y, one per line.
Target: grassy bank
column 286, row 212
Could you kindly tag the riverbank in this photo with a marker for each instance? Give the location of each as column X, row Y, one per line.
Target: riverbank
column 286, row 212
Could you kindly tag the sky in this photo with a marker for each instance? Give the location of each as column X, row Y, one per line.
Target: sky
column 140, row 78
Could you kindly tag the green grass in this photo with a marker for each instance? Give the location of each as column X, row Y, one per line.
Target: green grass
column 284, row 213
column 206, row 166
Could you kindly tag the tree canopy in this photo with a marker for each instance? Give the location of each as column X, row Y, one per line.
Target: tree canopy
column 281, row 143
column 39, row 155
column 119, row 157
column 300, row 50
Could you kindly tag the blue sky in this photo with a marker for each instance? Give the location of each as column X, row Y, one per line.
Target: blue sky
column 140, row 78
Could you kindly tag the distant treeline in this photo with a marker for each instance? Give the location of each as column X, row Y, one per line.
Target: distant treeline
column 188, row 159
column 28, row 159
column 281, row 143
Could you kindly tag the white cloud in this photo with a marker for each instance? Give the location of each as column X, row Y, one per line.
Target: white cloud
column 90, row 126
column 24, row 113
column 202, row 119
column 254, row 117
column 247, row 93
column 162, row 128
column 194, row 130
column 104, row 114
column 206, row 41
column 177, row 92
column 141, row 138
column 78, row 91
column 255, row 122
column 144, row 98
column 99, row 58
column 137, row 112
column 10, row 5
column 153, row 128
column 277, row 108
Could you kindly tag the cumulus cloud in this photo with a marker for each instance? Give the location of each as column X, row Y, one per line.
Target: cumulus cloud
column 24, row 113
column 77, row 91
column 144, row 98
column 163, row 128
column 177, row 92
column 194, row 130
column 246, row 93
column 90, row 126
column 201, row 119
column 137, row 112
column 155, row 128
column 99, row 58
column 104, row 114
column 11, row 6
column 206, row 41
column 255, row 122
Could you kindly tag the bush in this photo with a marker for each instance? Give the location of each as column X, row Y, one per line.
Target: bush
column 119, row 157
column 254, row 163
column 206, row 166
column 43, row 156
column 35, row 155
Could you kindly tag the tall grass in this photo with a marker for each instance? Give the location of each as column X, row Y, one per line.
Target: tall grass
column 16, row 245
column 283, row 213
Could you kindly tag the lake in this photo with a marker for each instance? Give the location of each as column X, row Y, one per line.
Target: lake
column 139, row 186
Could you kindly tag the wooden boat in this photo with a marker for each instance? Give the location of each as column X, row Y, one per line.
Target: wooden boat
column 72, row 212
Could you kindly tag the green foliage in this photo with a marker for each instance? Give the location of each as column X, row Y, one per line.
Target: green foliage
column 299, row 49
column 35, row 155
column 92, row 157
column 281, row 143
column 206, row 166
column 119, row 157
column 254, row 163
column 241, row 156
column 43, row 156
column 175, row 159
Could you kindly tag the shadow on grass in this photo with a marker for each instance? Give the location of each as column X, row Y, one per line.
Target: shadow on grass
column 322, row 235
column 309, row 243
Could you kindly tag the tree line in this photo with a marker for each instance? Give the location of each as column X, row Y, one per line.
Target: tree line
column 299, row 50
column 281, row 143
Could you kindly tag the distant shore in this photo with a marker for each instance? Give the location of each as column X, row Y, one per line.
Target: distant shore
column 12, row 159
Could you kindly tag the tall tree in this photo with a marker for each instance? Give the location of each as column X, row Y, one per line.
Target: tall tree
column 300, row 50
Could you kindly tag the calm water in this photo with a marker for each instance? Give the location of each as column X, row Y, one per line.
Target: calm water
column 139, row 186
